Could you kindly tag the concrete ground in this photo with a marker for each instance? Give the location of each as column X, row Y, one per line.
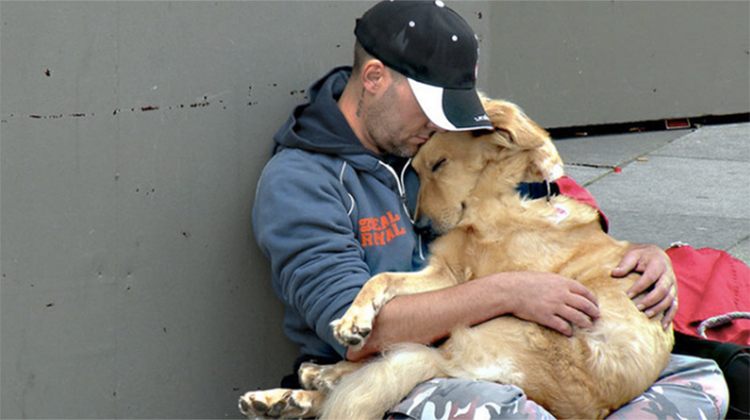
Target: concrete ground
column 690, row 186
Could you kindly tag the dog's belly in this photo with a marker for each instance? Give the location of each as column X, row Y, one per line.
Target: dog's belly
column 608, row 364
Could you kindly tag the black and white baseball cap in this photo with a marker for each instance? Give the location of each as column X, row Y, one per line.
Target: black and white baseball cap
column 436, row 50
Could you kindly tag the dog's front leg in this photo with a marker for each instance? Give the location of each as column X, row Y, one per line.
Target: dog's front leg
column 324, row 377
column 281, row 403
column 356, row 324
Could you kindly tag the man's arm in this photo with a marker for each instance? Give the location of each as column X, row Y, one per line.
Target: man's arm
column 427, row 317
column 301, row 222
column 557, row 302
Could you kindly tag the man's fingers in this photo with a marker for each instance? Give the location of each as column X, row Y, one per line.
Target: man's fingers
column 660, row 307
column 629, row 263
column 669, row 316
column 585, row 306
column 576, row 317
column 560, row 325
column 639, row 286
column 656, row 296
column 651, row 275
column 582, row 291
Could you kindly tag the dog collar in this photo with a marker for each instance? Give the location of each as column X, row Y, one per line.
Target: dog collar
column 534, row 190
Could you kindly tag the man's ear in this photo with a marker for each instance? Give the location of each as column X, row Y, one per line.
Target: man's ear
column 374, row 74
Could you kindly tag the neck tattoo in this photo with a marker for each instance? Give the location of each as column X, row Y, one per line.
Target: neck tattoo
column 360, row 103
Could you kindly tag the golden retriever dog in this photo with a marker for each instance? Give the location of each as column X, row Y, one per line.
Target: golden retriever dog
column 468, row 194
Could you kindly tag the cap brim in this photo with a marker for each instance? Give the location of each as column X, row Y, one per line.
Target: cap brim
column 451, row 109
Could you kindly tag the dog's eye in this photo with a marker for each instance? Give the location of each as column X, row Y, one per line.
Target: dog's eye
column 439, row 163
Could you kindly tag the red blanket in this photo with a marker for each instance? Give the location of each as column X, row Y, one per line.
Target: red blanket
column 713, row 288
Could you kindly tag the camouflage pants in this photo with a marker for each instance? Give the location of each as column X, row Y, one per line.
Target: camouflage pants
column 688, row 388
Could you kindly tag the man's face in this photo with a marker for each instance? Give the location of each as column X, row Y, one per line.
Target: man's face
column 395, row 121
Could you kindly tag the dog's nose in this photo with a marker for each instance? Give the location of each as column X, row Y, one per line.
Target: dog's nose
column 422, row 223
column 423, row 226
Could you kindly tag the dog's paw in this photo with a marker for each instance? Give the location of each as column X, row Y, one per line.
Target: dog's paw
column 321, row 378
column 309, row 374
column 354, row 327
column 278, row 403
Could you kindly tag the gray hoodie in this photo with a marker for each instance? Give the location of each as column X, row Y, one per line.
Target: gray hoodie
column 329, row 214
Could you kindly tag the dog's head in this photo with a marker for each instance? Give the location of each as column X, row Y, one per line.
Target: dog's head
column 456, row 166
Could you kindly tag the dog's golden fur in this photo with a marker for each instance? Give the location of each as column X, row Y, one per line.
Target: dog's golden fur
column 468, row 193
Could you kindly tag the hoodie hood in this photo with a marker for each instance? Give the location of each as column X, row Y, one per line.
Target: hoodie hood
column 319, row 126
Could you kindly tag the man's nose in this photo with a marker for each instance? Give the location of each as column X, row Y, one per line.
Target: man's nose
column 435, row 128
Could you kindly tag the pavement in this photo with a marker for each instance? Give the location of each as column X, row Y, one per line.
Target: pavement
column 661, row 187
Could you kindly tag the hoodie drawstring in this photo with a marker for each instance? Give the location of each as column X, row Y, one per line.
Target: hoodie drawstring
column 401, row 189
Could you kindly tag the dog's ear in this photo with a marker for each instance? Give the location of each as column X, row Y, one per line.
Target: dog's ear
column 515, row 131
column 511, row 123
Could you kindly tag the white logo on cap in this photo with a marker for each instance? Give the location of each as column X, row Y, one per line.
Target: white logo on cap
column 439, row 3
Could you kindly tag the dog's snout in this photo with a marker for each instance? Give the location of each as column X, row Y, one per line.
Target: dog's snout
column 425, row 229
column 423, row 226
column 422, row 223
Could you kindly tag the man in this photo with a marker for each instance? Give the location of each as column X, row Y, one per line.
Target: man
column 333, row 209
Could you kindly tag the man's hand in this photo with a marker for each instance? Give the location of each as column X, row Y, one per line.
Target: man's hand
column 555, row 302
column 656, row 270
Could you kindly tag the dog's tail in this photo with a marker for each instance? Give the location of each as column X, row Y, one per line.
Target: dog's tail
column 370, row 391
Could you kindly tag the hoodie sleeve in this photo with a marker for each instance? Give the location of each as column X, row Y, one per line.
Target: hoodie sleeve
column 301, row 223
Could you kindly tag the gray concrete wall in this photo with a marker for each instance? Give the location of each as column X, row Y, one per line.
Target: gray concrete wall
column 571, row 63
column 132, row 135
